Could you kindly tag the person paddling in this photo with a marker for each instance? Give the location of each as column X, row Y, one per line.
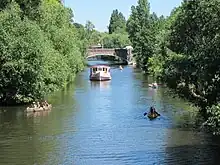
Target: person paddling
column 152, row 112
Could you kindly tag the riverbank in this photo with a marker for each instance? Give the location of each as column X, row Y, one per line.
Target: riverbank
column 191, row 117
column 185, row 58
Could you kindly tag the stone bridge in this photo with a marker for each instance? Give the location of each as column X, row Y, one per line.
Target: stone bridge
column 124, row 54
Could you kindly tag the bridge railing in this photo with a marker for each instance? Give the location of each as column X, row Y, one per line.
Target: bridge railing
column 101, row 49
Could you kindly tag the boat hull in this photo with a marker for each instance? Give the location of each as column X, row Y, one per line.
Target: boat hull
column 100, row 76
column 152, row 86
column 39, row 109
column 151, row 117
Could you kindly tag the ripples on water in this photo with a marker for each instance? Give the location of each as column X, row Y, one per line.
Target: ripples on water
column 102, row 123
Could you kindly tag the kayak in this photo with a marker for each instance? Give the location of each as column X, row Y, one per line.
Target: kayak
column 153, row 116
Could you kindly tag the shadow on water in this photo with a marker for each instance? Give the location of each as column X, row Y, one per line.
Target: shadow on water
column 102, row 123
column 30, row 138
column 187, row 147
column 191, row 155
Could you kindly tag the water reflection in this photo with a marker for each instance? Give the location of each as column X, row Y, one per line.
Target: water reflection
column 102, row 85
column 31, row 138
column 19, row 141
column 102, row 123
column 37, row 114
column 189, row 148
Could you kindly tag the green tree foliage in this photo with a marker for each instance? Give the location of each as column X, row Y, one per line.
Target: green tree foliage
column 161, row 28
column 89, row 27
column 22, row 50
column 55, row 19
column 78, row 25
column 39, row 55
column 29, row 8
column 141, row 34
column 186, row 53
column 117, row 37
column 95, row 38
column 183, row 50
column 91, row 34
column 195, row 34
column 4, row 3
column 117, row 22
column 115, row 40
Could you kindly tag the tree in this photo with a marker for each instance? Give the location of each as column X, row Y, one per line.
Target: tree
column 89, row 26
column 95, row 38
column 115, row 40
column 140, row 33
column 117, row 22
column 37, row 56
column 4, row 3
column 78, row 25
column 28, row 7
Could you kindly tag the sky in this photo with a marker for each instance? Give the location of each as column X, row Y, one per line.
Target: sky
column 99, row 11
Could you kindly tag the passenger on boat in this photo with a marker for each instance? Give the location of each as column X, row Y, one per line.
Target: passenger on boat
column 34, row 105
column 46, row 103
column 40, row 104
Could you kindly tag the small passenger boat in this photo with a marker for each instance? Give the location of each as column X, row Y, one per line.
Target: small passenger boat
column 39, row 109
column 100, row 73
column 153, row 85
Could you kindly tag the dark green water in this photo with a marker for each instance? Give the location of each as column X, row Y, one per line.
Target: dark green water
column 98, row 123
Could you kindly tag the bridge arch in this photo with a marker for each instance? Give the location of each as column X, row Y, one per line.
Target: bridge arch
column 111, row 55
column 121, row 54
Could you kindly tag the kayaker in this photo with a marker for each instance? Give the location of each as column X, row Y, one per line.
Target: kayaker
column 153, row 111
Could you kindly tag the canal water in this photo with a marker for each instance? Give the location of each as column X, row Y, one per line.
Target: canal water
column 102, row 123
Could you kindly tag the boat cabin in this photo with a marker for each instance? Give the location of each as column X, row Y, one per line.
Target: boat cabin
column 99, row 68
column 100, row 72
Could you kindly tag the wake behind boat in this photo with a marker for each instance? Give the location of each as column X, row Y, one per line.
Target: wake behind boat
column 100, row 73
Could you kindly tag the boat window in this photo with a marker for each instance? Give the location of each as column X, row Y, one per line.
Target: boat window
column 100, row 69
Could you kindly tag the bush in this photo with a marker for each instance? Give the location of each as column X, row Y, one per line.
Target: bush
column 36, row 56
column 213, row 121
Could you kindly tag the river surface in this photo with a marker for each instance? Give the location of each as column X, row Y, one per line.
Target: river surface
column 102, row 123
